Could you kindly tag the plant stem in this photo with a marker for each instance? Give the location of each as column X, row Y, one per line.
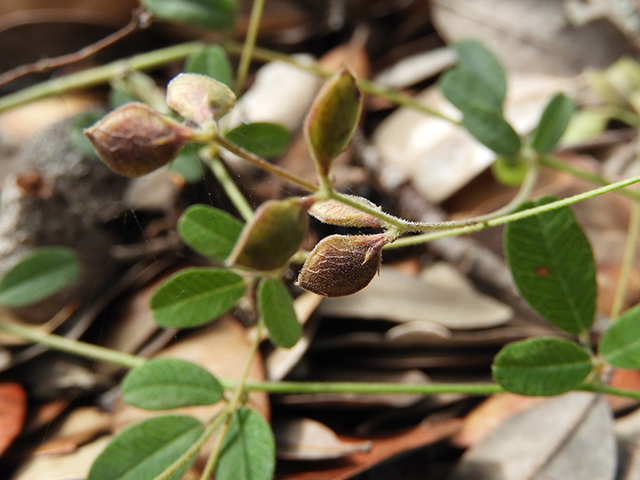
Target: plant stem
column 627, row 261
column 263, row 164
column 249, row 44
column 229, row 186
column 366, row 86
column 594, row 178
column 75, row 347
column 99, row 75
column 427, row 237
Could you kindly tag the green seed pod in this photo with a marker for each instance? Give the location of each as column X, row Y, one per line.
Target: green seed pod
column 342, row 265
column 199, row 98
column 273, row 235
column 134, row 139
column 332, row 119
column 335, row 212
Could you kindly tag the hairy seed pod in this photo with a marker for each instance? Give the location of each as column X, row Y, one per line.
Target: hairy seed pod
column 199, row 98
column 273, row 235
column 134, row 139
column 335, row 212
column 342, row 265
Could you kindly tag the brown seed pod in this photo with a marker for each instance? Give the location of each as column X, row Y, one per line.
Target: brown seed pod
column 199, row 98
column 335, row 212
column 273, row 235
column 342, row 265
column 134, row 139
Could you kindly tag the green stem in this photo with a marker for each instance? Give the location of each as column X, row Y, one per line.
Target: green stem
column 99, row 75
column 427, row 237
column 228, row 185
column 193, row 449
column 627, row 261
column 263, row 164
column 601, row 388
column 75, row 347
column 249, row 44
column 591, row 177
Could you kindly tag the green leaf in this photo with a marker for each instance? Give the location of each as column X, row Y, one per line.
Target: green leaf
column 212, row 14
column 332, row 119
column 493, row 131
column 261, row 138
column 248, row 449
column 195, row 296
column 541, row 366
column 212, row 61
column 275, row 306
column 39, row 274
column 552, row 265
column 553, row 123
column 146, row 449
column 509, row 171
column 476, row 58
column 188, row 166
column 209, row 231
column 163, row 383
column 464, row 89
column 620, row 344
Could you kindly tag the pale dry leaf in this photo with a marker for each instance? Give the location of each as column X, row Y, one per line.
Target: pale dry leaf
column 307, row 439
column 444, row 297
column 568, row 437
column 416, row 68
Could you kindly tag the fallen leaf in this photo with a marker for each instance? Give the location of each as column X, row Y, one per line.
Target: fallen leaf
column 81, row 425
column 13, row 408
column 382, row 448
column 306, row 439
column 568, row 437
column 443, row 296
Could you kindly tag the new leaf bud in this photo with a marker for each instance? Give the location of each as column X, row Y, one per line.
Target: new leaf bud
column 335, row 212
column 134, row 139
column 199, row 98
column 342, row 265
column 273, row 235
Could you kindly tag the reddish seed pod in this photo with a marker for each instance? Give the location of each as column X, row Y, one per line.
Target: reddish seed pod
column 335, row 212
column 134, row 139
column 342, row 265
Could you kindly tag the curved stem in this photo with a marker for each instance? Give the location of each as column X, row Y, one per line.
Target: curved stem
column 427, row 237
column 99, row 75
column 249, row 44
column 264, row 165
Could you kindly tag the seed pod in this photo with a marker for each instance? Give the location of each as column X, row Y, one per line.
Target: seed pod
column 342, row 265
column 199, row 98
column 273, row 235
column 335, row 212
column 135, row 139
column 332, row 119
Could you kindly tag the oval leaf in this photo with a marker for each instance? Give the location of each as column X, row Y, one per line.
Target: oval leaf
column 464, row 90
column 541, row 366
column 553, row 123
column 493, row 131
column 188, row 166
column 213, row 14
column 213, row 62
column 477, row 59
column 275, row 306
column 41, row 273
column 261, row 138
column 248, row 449
column 163, row 383
column 209, row 231
column 620, row 344
column 196, row 296
column 332, row 119
column 146, row 449
column 509, row 171
column 552, row 265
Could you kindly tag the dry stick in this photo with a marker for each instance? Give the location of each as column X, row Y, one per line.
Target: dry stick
column 141, row 19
